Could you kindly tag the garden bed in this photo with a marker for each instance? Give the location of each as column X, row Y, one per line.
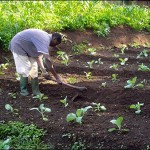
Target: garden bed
column 93, row 132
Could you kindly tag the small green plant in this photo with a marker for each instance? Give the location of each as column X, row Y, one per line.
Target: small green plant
column 64, row 57
column 137, row 107
column 72, row 80
column 132, row 83
column 42, row 110
column 123, row 61
column 99, row 61
column 114, row 66
column 64, row 101
column 114, row 77
column 90, row 63
column 78, row 145
column 142, row 54
column 118, row 123
column 143, row 67
column 136, row 45
column 98, row 107
column 22, row 136
column 4, row 66
column 17, row 76
column 77, row 117
column 9, row 107
column 116, row 55
column 92, row 51
column 4, row 145
column 13, row 95
column 40, row 97
column 79, row 48
column 123, row 49
column 104, row 84
column 88, row 75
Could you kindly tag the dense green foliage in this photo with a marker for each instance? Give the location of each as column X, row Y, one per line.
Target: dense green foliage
column 22, row 136
column 57, row 16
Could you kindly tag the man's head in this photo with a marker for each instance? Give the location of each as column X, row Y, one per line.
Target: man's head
column 56, row 39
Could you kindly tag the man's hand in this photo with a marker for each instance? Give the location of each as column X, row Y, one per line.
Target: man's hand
column 45, row 75
column 59, row 81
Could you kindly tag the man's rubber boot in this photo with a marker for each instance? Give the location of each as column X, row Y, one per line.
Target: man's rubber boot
column 35, row 86
column 23, row 85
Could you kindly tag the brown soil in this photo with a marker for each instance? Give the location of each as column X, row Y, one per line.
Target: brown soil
column 93, row 132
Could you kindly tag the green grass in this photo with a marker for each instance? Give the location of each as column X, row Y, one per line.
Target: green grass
column 57, row 16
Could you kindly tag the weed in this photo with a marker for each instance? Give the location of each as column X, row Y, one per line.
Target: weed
column 72, row 80
column 22, row 136
column 79, row 48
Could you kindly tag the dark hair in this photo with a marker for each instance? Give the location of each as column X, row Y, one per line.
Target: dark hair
column 57, row 36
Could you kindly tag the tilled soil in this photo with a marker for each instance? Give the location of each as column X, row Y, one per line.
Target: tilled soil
column 93, row 132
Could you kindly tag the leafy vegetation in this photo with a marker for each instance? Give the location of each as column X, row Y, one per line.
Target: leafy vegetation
column 42, row 110
column 57, row 16
column 118, row 123
column 77, row 117
column 21, row 136
column 137, row 107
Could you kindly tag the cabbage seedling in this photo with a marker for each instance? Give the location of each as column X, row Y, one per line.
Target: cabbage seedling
column 13, row 95
column 90, row 63
column 104, row 84
column 5, row 144
column 9, row 107
column 40, row 97
column 123, row 61
column 144, row 53
column 118, row 123
column 64, row 101
column 88, row 75
column 4, row 66
column 92, row 51
column 77, row 117
column 114, row 66
column 114, row 77
column 132, row 83
column 143, row 67
column 42, row 110
column 137, row 107
column 116, row 55
column 64, row 57
column 98, row 107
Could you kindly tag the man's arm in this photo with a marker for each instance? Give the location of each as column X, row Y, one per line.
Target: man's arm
column 51, row 68
column 40, row 63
